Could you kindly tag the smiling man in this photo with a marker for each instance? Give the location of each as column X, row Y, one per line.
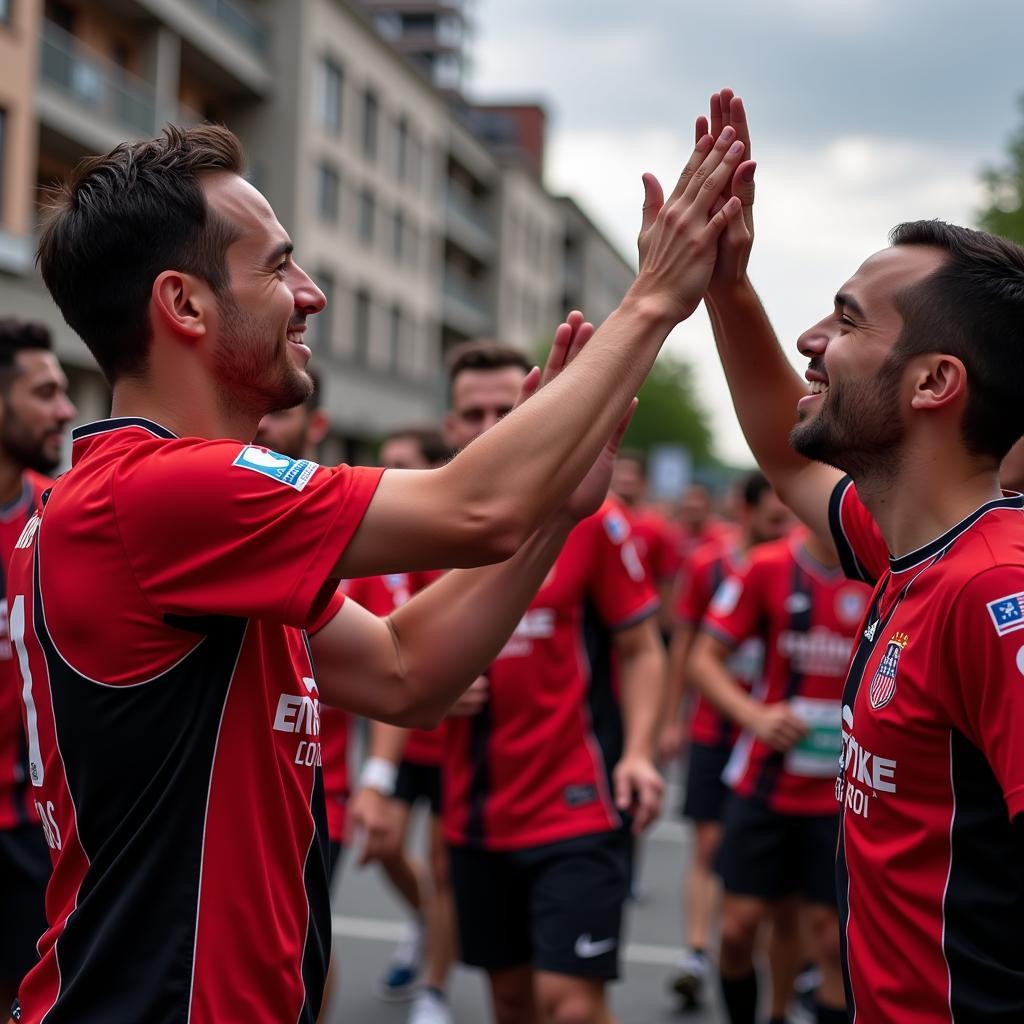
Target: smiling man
column 159, row 602
column 916, row 393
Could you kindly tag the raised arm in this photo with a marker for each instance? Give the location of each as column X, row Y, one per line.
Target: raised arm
column 765, row 387
column 493, row 495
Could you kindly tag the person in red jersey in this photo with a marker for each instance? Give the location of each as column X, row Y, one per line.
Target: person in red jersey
column 34, row 412
column 711, row 736
column 655, row 538
column 158, row 602
column 697, row 524
column 536, row 785
column 779, row 828
column 892, row 445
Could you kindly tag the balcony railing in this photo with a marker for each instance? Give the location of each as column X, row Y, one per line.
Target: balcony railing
column 96, row 83
column 238, row 20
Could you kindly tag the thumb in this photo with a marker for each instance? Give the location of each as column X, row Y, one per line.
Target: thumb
column 743, row 182
column 654, row 200
column 623, row 790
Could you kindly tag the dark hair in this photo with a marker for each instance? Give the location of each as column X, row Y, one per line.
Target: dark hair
column 753, row 486
column 634, row 455
column 429, row 439
column 19, row 336
column 484, row 355
column 972, row 307
column 122, row 219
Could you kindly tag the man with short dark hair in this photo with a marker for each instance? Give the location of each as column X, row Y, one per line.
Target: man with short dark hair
column 34, row 411
column 892, row 448
column 179, row 566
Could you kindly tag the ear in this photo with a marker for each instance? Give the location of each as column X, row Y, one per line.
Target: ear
column 181, row 303
column 316, row 429
column 939, row 381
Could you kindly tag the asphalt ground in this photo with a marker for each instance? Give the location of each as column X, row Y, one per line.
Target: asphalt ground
column 369, row 921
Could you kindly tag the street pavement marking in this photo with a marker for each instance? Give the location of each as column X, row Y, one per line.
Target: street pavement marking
column 395, row 931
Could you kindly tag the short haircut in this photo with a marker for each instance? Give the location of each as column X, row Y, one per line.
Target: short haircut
column 484, row 355
column 634, row 455
column 972, row 307
column 19, row 336
column 120, row 221
column 429, row 439
column 753, row 486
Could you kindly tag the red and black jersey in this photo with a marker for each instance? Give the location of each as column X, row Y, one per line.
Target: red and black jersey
column 709, row 568
column 157, row 611
column 17, row 805
column 382, row 595
column 930, row 865
column 533, row 766
column 807, row 616
column 656, row 542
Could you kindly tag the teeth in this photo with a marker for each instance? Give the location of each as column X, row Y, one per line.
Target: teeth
column 817, row 387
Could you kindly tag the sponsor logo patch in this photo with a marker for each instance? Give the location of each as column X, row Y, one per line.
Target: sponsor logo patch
column 292, row 472
column 616, row 527
column 883, row 684
column 1007, row 613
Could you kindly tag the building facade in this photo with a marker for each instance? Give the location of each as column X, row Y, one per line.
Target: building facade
column 421, row 231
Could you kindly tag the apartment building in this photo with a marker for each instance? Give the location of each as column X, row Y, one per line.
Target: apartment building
column 419, row 228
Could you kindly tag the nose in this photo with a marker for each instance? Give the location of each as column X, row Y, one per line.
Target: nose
column 308, row 297
column 813, row 341
column 66, row 410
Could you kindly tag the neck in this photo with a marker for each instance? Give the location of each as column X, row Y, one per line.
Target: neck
column 929, row 495
column 11, row 481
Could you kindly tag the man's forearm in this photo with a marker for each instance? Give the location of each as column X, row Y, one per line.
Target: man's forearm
column 678, row 672
column 764, row 386
column 448, row 633
column 711, row 677
column 643, row 673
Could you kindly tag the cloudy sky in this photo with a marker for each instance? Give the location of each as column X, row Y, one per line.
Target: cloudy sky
column 863, row 113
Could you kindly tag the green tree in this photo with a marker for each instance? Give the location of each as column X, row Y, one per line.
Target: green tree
column 1003, row 213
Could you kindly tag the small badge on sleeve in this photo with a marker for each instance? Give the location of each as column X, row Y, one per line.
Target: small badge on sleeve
column 292, row 472
column 1007, row 613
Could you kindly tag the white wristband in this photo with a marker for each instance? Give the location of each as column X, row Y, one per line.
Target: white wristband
column 379, row 774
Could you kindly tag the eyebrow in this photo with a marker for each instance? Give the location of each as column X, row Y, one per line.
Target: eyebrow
column 843, row 299
column 279, row 251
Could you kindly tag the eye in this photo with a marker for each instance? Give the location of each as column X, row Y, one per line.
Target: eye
column 846, row 321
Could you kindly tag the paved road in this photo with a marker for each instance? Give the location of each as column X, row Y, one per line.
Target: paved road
column 368, row 921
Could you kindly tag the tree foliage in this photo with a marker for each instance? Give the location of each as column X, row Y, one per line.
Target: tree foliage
column 1004, row 187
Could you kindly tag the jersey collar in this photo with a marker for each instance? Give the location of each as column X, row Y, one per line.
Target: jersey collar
column 120, row 423
column 937, row 546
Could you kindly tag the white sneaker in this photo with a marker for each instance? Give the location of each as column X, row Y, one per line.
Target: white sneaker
column 399, row 979
column 429, row 1008
column 690, row 977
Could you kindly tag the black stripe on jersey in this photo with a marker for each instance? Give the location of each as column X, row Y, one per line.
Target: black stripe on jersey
column 138, row 761
column 843, row 905
column 480, row 775
column 605, row 714
column 801, row 612
column 117, row 423
column 847, row 557
column 984, row 901
column 316, row 951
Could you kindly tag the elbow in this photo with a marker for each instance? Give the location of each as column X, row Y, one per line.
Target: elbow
column 496, row 532
column 417, row 715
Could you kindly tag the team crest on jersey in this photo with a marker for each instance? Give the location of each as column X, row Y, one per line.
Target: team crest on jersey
column 1007, row 613
column 850, row 606
column 616, row 527
column 293, row 472
column 883, row 685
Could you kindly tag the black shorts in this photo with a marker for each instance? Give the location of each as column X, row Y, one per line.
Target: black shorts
column 771, row 855
column 706, row 793
column 337, row 855
column 556, row 907
column 24, row 871
column 416, row 782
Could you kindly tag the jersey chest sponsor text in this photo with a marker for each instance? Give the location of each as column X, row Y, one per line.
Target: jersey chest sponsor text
column 819, row 651
column 536, row 624
column 298, row 714
column 864, row 775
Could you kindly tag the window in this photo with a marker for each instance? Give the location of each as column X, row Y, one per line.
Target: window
column 398, row 236
column 366, row 212
column 361, row 326
column 414, row 160
column 401, row 146
column 412, row 246
column 395, row 337
column 322, row 321
column 330, row 95
column 328, row 193
column 371, row 112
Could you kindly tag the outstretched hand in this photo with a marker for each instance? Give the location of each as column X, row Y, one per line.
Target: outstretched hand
column 679, row 237
column 570, row 337
column 727, row 111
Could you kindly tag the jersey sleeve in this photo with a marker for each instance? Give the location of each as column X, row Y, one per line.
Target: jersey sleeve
column 735, row 609
column 222, row 528
column 694, row 596
column 862, row 551
column 333, row 606
column 618, row 583
column 983, row 682
column 665, row 559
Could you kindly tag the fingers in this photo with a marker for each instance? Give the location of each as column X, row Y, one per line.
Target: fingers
column 529, row 387
column 700, row 152
column 583, row 334
column 701, row 129
column 562, row 347
column 717, row 121
column 715, row 172
column 650, row 793
column 654, row 200
column 623, row 789
column 616, row 439
column 738, row 119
